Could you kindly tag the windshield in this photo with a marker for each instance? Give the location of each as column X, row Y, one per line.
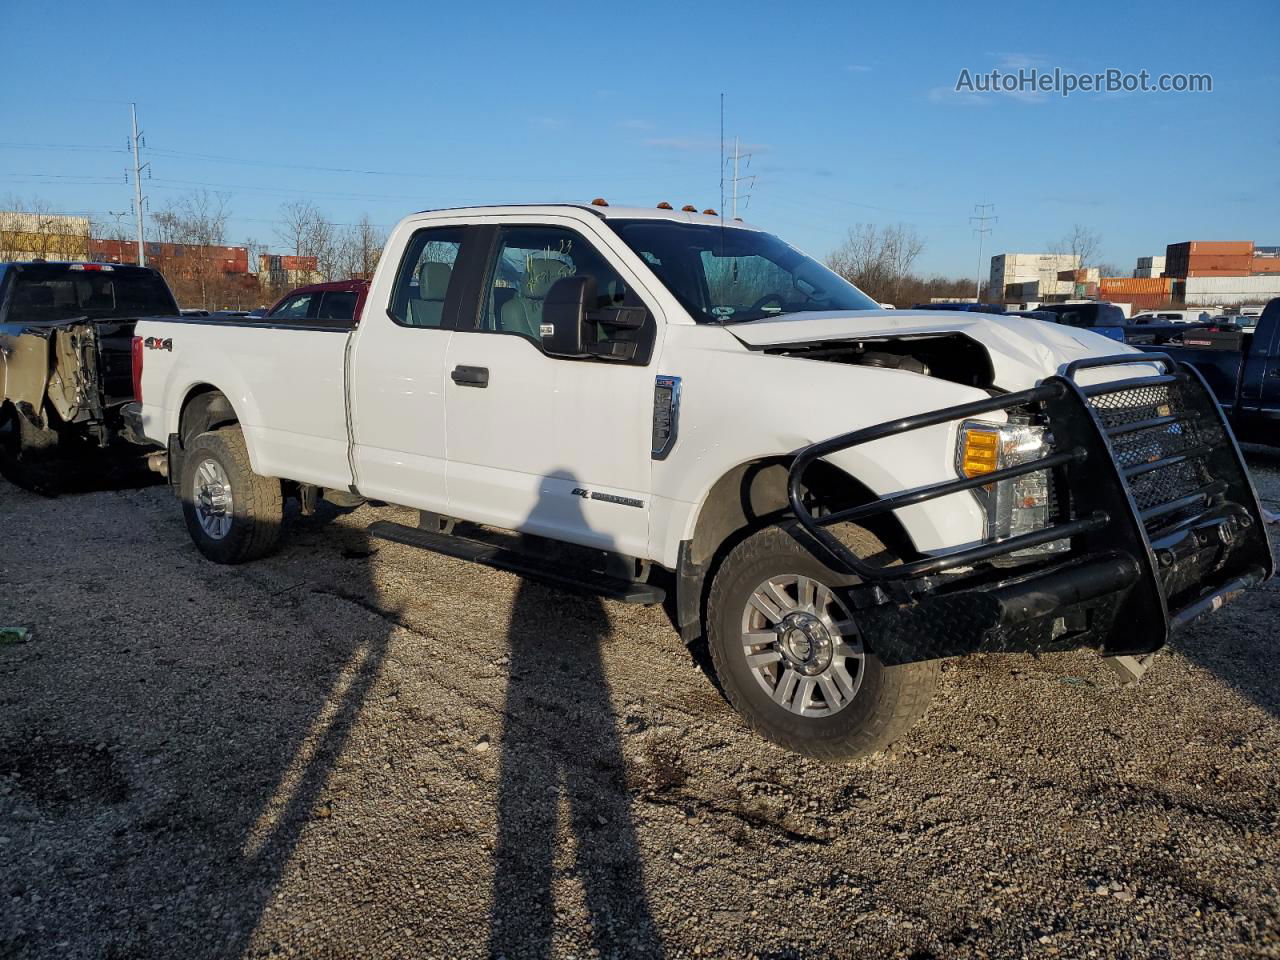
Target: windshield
column 57, row 292
column 731, row 275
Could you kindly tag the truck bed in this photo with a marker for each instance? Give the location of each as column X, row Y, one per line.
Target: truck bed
column 286, row 380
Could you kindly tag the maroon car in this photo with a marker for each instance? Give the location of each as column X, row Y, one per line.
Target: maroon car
column 338, row 302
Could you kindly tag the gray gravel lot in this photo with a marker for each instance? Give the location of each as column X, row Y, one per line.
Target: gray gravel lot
column 357, row 749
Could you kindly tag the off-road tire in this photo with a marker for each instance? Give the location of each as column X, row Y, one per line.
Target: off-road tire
column 29, row 456
column 890, row 700
column 257, row 502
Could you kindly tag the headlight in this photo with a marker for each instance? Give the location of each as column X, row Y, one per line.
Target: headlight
column 1018, row 505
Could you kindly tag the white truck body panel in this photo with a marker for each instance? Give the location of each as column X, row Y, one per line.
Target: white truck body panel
column 285, row 385
column 515, row 453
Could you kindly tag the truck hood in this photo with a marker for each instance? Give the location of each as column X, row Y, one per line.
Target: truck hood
column 1023, row 351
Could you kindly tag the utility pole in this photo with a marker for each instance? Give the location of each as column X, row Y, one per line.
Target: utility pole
column 722, row 159
column 980, row 219
column 138, row 167
column 737, row 159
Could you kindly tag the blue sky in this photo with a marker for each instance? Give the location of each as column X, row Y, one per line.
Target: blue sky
column 848, row 111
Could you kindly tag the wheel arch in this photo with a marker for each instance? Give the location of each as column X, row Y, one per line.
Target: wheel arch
column 746, row 498
column 207, row 407
column 204, row 407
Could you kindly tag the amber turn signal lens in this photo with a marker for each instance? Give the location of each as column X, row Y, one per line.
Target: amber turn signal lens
column 980, row 453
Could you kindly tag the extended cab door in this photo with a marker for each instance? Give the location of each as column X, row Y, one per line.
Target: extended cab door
column 553, row 446
column 397, row 371
column 1260, row 379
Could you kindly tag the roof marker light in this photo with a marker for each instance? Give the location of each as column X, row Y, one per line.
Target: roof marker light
column 599, row 202
column 709, row 212
column 664, row 205
column 689, row 208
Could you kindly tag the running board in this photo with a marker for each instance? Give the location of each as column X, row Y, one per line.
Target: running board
column 523, row 564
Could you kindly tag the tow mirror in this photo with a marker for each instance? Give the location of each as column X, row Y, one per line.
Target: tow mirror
column 564, row 316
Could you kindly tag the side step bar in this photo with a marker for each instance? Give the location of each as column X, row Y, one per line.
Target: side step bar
column 524, row 564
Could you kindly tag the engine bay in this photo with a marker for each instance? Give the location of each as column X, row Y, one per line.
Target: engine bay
column 950, row 356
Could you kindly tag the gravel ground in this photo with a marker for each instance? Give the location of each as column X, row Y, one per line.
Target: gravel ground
column 357, row 749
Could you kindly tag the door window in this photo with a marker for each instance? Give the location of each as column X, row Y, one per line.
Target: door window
column 528, row 261
column 297, row 307
column 338, row 305
column 426, row 277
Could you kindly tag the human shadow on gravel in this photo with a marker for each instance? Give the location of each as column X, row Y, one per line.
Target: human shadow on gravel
column 161, row 758
column 561, row 747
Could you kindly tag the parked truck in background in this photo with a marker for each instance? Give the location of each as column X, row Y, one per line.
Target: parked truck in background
column 66, row 332
column 839, row 495
column 1241, row 365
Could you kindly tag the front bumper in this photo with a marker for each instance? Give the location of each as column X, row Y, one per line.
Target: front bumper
column 1152, row 491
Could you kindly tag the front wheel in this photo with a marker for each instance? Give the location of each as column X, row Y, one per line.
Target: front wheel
column 232, row 514
column 790, row 658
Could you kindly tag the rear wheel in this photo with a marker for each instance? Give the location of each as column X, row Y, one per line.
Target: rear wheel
column 232, row 514
column 28, row 454
column 791, row 660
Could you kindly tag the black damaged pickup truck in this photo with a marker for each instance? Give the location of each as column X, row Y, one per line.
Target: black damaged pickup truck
column 66, row 335
column 1242, row 368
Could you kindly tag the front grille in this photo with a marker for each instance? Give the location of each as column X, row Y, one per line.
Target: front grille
column 1180, row 435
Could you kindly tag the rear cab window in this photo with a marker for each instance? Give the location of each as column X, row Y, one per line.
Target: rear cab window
column 425, row 279
column 54, row 292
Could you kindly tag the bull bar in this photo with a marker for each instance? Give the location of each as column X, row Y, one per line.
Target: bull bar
column 1151, row 491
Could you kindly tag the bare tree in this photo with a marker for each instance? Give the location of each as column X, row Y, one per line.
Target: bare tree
column 31, row 231
column 363, row 244
column 1080, row 242
column 904, row 246
column 305, row 231
column 198, row 222
column 877, row 260
column 295, row 226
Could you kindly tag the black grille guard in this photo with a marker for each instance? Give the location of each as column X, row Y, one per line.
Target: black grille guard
column 1153, row 493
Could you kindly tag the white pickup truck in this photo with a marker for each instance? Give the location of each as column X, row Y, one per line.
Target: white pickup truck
column 835, row 495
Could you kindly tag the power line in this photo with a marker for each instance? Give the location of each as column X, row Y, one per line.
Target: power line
column 981, row 218
column 91, row 147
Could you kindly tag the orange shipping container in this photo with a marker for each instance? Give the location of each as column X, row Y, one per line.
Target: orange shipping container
column 1140, row 302
column 1222, row 248
column 1155, row 286
column 1265, row 265
column 1211, row 260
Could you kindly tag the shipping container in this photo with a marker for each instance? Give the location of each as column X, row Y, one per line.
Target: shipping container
column 1148, row 301
column 1262, row 285
column 1157, row 286
column 1265, row 265
column 1217, row 248
column 1211, row 261
column 1203, row 255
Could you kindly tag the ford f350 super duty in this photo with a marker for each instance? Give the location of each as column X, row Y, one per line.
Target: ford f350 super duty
column 837, row 495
